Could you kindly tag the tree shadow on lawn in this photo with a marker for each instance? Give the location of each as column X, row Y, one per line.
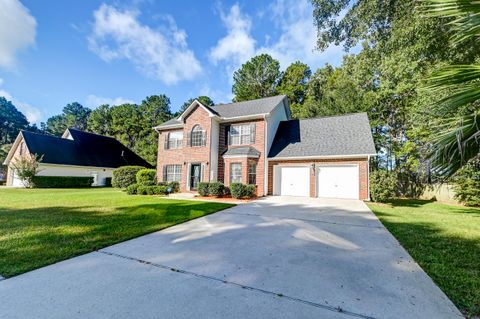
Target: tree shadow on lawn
column 452, row 262
column 35, row 237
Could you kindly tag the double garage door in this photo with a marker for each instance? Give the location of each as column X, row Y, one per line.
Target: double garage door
column 333, row 181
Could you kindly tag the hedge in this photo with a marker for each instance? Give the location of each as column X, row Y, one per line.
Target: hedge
column 125, row 175
column 62, row 181
column 239, row 190
column 203, row 189
column 383, row 185
column 216, row 189
column 146, row 177
column 147, row 189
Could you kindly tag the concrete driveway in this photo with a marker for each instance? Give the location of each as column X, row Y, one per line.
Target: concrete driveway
column 273, row 258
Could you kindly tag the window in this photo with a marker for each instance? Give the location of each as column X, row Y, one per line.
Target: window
column 242, row 134
column 174, row 140
column 197, row 137
column 235, row 173
column 252, row 173
column 172, row 173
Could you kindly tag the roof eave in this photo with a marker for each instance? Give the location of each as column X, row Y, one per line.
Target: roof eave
column 282, row 158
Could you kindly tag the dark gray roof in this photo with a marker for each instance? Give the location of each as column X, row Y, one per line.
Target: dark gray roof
column 326, row 136
column 242, row 151
column 86, row 149
column 236, row 109
column 246, row 108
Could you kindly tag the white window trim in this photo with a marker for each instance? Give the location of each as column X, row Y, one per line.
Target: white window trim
column 241, row 128
column 231, row 173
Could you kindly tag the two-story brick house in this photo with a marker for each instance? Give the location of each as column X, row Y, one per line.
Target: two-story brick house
column 257, row 142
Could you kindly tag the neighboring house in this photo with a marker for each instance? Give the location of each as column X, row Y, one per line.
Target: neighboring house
column 76, row 153
column 324, row 157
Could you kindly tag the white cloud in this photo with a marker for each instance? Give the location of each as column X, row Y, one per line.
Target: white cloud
column 159, row 53
column 238, row 45
column 94, row 101
column 33, row 114
column 17, row 31
column 296, row 41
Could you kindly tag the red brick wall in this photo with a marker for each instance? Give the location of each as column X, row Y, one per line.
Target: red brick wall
column 224, row 166
column 362, row 164
column 187, row 154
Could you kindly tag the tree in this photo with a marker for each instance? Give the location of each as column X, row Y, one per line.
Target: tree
column 457, row 138
column 73, row 115
column 257, row 78
column 26, row 167
column 11, row 121
column 294, row 83
column 100, row 120
column 205, row 100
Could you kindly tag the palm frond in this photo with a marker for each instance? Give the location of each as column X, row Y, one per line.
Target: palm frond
column 457, row 142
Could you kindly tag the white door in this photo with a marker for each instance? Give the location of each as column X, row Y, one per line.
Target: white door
column 339, row 181
column 293, row 181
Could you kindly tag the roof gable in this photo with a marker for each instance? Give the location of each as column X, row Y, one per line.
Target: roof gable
column 344, row 135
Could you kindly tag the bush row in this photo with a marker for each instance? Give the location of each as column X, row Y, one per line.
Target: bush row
column 136, row 189
column 125, row 176
column 217, row 189
column 61, row 181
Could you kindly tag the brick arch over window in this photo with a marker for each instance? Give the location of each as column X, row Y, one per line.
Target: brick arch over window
column 197, row 136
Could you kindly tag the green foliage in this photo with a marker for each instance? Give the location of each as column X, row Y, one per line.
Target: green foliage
column 26, row 167
column 11, row 122
column 125, row 175
column 205, row 100
column 467, row 183
column 174, row 186
column 73, row 115
column 257, row 78
column 202, row 189
column 62, row 181
column 239, row 190
column 146, row 177
column 383, row 185
column 132, row 189
column 142, row 189
column 216, row 189
column 100, row 120
column 294, row 83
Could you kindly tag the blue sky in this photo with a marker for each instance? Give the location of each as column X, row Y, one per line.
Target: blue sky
column 54, row 52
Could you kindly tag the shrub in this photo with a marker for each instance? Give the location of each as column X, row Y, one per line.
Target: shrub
column 62, row 181
column 142, row 189
column 26, row 168
column 203, row 188
column 132, row 189
column 250, row 191
column 125, row 175
column 146, row 177
column 467, row 184
column 160, row 189
column 238, row 190
column 383, row 185
column 175, row 186
column 108, row 182
column 216, row 189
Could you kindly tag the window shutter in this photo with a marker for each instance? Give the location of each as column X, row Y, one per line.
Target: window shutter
column 189, row 138
column 252, row 133
column 227, row 135
column 164, row 173
column 165, row 144
column 204, row 138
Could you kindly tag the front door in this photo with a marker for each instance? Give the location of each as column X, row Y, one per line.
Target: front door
column 195, row 176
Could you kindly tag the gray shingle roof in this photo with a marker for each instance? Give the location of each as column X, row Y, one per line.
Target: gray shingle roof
column 326, row 136
column 246, row 108
column 242, row 151
column 236, row 109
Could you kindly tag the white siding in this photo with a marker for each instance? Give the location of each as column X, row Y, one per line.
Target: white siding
column 277, row 115
column 65, row 170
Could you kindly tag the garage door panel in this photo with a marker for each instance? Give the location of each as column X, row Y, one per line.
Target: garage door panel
column 339, row 181
column 294, row 181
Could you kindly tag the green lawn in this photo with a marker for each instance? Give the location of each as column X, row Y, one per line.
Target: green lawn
column 444, row 240
column 39, row 227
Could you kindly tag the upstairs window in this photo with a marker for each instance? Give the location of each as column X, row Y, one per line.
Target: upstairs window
column 198, row 136
column 242, row 134
column 174, row 140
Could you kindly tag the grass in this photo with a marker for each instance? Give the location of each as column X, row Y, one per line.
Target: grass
column 444, row 240
column 39, row 227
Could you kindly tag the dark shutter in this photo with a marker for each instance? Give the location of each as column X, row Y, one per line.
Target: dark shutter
column 227, row 135
column 189, row 138
column 165, row 144
column 204, row 138
column 164, row 173
column 252, row 133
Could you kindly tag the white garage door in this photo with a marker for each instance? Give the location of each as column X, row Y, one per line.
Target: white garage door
column 293, row 181
column 340, row 181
